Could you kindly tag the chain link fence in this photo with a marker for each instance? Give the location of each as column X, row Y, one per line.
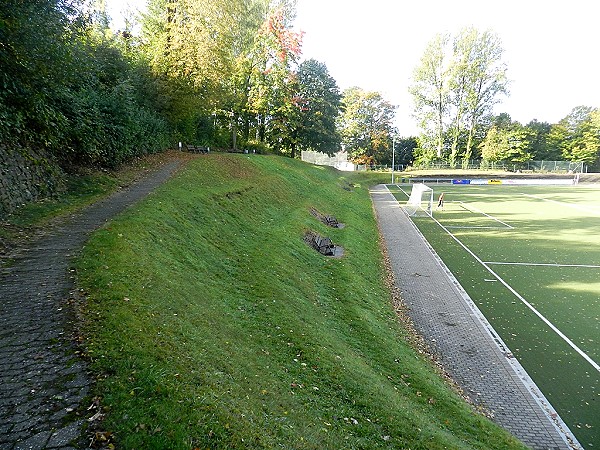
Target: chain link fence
column 340, row 161
column 527, row 166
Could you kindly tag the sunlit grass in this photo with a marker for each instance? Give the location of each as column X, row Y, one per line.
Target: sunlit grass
column 211, row 324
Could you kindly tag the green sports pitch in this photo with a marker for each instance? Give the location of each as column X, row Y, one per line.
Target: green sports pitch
column 529, row 258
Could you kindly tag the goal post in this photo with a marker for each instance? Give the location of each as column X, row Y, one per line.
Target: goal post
column 420, row 202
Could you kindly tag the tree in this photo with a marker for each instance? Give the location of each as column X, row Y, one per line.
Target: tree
column 192, row 39
column 193, row 48
column 506, row 142
column 35, row 66
column 464, row 56
column 318, row 103
column 540, row 144
column 365, row 124
column 581, row 135
column 404, row 151
column 487, row 79
column 430, row 92
column 454, row 90
column 271, row 78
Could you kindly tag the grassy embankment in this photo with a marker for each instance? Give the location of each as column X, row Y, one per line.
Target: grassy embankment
column 215, row 326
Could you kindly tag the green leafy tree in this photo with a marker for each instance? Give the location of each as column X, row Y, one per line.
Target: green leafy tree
column 430, row 91
column 191, row 39
column 581, row 135
column 487, row 80
column 365, row 124
column 318, row 103
column 540, row 144
column 404, row 151
column 557, row 138
column 284, row 119
column 250, row 63
column 506, row 141
column 463, row 59
column 191, row 46
column 36, row 64
column 271, row 79
column 454, row 89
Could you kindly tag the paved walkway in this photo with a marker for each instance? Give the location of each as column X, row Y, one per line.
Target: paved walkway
column 42, row 380
column 467, row 346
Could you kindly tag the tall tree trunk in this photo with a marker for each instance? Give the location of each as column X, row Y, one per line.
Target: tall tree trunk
column 261, row 130
column 456, row 131
column 475, row 115
column 246, row 128
column 234, row 131
column 468, row 151
column 440, row 137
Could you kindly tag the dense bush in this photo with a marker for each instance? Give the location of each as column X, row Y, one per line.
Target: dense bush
column 69, row 87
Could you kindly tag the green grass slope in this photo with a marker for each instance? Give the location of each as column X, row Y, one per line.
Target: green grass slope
column 211, row 323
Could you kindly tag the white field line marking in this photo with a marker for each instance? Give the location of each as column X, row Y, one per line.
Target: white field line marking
column 403, row 191
column 475, row 210
column 525, row 302
column 586, row 266
column 570, row 205
column 477, row 228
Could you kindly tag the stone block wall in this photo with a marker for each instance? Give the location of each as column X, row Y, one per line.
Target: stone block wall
column 26, row 176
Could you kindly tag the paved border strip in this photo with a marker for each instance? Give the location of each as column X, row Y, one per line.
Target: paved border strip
column 468, row 347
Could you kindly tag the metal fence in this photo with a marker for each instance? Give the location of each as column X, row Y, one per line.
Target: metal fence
column 340, row 161
column 322, row 159
column 528, row 166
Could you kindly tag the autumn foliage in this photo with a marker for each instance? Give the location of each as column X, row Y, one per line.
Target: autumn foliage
column 288, row 43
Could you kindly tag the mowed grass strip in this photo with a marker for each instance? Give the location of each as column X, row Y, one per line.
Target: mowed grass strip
column 211, row 324
column 557, row 230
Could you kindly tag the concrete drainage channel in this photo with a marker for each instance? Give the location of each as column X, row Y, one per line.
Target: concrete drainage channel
column 323, row 244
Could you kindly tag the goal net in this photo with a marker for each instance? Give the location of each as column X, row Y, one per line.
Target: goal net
column 420, row 202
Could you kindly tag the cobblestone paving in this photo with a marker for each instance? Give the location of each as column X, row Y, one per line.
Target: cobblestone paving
column 466, row 344
column 42, row 380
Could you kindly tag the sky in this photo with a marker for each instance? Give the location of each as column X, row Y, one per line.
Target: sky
column 551, row 48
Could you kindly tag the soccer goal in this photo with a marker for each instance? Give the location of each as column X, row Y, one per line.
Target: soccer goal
column 420, row 202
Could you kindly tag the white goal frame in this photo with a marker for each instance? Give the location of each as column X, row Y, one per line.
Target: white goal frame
column 420, row 202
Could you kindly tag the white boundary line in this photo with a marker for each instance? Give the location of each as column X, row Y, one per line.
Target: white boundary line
column 499, row 263
column 538, row 396
column 475, row 228
column 403, row 191
column 475, row 210
column 581, row 353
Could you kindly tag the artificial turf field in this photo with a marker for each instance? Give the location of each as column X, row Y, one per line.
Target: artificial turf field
column 529, row 257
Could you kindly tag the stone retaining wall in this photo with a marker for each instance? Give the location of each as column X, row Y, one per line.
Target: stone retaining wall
column 26, row 176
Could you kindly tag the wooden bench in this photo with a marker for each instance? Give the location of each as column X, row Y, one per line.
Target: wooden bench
column 330, row 221
column 197, row 149
column 324, row 245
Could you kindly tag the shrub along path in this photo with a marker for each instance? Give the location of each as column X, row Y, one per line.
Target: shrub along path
column 43, row 381
column 461, row 337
